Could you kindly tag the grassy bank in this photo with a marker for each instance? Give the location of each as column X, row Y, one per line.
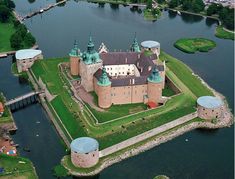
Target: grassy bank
column 7, row 29
column 223, row 34
column 192, row 45
column 17, row 167
column 6, row 117
column 81, row 123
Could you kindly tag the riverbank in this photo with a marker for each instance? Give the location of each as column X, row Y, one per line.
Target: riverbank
column 191, row 87
column 17, row 167
column 220, row 31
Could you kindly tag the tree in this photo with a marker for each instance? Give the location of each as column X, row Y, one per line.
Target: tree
column 187, row 4
column 198, row 5
column 16, row 41
column 5, row 13
column 149, row 4
column 173, row 3
column 29, row 40
column 211, row 9
column 22, row 30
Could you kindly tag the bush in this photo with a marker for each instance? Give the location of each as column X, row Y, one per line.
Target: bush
column 5, row 13
column 29, row 39
column 60, row 171
column 16, row 41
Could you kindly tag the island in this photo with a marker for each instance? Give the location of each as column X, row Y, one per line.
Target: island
column 192, row 45
column 108, row 106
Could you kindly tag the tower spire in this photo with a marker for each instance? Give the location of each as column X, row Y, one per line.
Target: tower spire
column 135, row 46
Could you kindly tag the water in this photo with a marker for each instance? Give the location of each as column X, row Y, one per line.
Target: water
column 35, row 131
column 207, row 154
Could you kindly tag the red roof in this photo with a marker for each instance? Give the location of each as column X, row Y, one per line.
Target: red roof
column 1, row 107
column 152, row 104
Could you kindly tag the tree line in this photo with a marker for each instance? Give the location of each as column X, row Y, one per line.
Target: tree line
column 226, row 14
column 21, row 38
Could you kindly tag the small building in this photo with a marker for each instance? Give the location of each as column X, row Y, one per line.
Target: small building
column 84, row 152
column 1, row 109
column 25, row 58
column 151, row 45
column 209, row 107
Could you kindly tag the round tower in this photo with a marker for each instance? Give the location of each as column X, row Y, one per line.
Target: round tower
column 154, row 88
column 84, row 152
column 209, row 107
column 104, row 90
column 74, row 56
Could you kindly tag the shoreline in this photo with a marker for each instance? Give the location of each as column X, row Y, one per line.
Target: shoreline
column 156, row 140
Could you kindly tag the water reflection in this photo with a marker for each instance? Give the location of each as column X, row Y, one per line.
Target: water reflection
column 172, row 14
column 209, row 22
column 90, row 177
column 190, row 19
column 31, row 1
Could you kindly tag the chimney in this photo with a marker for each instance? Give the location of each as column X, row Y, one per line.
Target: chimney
column 149, row 68
column 133, row 81
column 126, row 60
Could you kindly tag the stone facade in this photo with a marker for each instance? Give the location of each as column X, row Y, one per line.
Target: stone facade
column 104, row 97
column 85, row 160
column 87, row 72
column 208, row 113
column 154, row 92
column 74, row 65
column 25, row 64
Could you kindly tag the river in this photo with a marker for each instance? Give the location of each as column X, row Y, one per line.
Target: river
column 207, row 154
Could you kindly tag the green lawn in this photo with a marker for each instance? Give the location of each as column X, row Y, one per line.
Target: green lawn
column 7, row 29
column 6, row 117
column 17, row 167
column 192, row 45
column 149, row 15
column 83, row 124
column 221, row 33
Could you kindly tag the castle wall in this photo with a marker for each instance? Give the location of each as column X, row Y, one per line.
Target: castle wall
column 208, row 113
column 104, row 96
column 25, row 64
column 128, row 94
column 85, row 160
column 120, row 70
column 86, row 73
column 154, row 92
column 74, row 65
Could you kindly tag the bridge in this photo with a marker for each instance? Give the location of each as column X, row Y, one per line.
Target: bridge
column 39, row 11
column 23, row 100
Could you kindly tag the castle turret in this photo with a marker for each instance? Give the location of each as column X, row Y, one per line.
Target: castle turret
column 135, row 46
column 75, row 60
column 104, row 90
column 91, row 56
column 89, row 64
column 154, row 86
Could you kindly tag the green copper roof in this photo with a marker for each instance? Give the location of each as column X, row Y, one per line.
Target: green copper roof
column 135, row 46
column 91, row 56
column 75, row 51
column 155, row 76
column 104, row 79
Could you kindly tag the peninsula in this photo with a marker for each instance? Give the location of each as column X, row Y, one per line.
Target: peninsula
column 108, row 106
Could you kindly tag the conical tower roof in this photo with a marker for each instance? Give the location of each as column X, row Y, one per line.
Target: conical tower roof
column 155, row 76
column 75, row 50
column 135, row 46
column 104, row 79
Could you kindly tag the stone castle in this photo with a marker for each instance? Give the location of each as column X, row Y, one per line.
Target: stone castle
column 136, row 76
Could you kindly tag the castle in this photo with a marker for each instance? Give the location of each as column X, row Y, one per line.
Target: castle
column 136, row 76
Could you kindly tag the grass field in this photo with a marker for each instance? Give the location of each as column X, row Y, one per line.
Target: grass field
column 192, row 45
column 6, row 117
column 221, row 33
column 116, row 130
column 7, row 29
column 16, row 167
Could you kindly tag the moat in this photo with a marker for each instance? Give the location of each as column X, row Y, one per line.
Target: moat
column 215, row 68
